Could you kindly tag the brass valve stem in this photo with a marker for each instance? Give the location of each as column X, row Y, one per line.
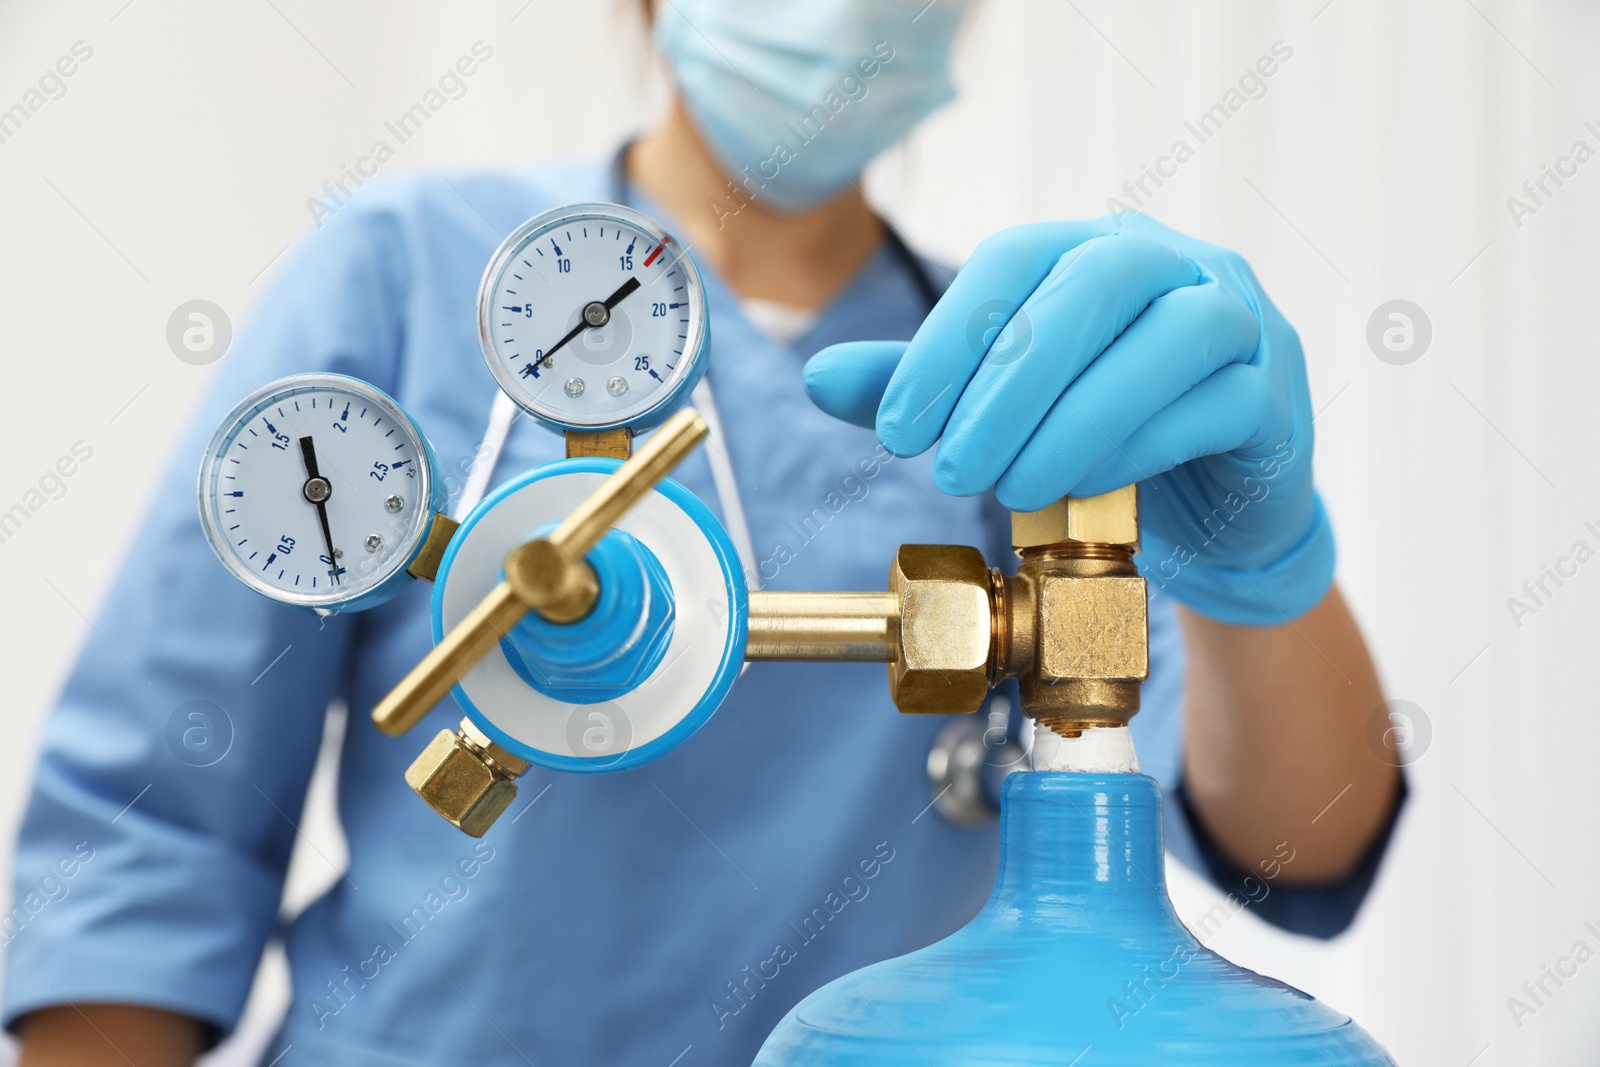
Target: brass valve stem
column 1087, row 698
column 1072, row 624
column 860, row 627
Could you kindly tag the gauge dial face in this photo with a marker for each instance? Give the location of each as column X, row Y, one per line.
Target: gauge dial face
column 316, row 490
column 593, row 317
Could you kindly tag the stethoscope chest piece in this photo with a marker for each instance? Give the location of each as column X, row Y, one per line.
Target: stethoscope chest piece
column 967, row 762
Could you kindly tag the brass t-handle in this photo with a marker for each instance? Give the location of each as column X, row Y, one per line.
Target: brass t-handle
column 547, row 575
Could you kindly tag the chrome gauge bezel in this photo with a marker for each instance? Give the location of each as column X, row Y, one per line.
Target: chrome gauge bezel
column 651, row 410
column 426, row 496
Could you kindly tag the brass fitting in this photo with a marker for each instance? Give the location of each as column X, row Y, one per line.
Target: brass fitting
column 466, row 777
column 1111, row 518
column 1073, row 624
column 823, row 626
column 942, row 663
column 610, row 444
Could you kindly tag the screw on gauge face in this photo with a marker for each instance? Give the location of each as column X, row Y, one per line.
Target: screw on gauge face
column 374, row 542
column 338, row 553
column 394, row 502
column 595, row 313
column 617, row 386
column 574, row 387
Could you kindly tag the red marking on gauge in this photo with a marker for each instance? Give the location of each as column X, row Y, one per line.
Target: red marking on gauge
column 651, row 258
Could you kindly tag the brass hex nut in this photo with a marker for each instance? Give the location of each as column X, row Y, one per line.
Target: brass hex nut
column 1111, row 519
column 1091, row 628
column 941, row 665
column 458, row 783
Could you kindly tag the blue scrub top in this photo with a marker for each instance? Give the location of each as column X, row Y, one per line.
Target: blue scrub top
column 677, row 909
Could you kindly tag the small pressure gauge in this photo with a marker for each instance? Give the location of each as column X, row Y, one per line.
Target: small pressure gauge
column 318, row 490
column 592, row 317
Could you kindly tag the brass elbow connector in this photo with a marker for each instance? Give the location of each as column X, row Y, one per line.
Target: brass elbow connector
column 1072, row 624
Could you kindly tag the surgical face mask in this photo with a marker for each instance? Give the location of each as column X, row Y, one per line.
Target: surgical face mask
column 796, row 98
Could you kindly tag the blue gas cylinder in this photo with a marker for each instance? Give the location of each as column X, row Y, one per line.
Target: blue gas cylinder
column 1077, row 958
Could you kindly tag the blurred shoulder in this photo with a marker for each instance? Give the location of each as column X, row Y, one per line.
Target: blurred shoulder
column 426, row 204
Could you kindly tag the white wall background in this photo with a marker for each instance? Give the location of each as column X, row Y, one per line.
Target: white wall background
column 1377, row 166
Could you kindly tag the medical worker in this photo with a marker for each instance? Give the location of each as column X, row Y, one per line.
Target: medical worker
column 671, row 914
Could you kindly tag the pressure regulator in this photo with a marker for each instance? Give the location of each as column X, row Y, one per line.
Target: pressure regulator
column 591, row 614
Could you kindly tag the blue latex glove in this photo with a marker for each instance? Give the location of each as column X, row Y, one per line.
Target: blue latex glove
column 1079, row 357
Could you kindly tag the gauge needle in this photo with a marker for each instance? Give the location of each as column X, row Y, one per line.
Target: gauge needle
column 583, row 316
column 317, row 490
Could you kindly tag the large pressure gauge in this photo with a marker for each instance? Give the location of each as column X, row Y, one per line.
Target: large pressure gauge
column 319, row 491
column 592, row 317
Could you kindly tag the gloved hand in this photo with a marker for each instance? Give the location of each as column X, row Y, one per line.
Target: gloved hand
column 1073, row 358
